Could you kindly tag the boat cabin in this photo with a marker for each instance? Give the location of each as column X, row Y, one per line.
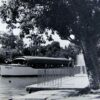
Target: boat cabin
column 43, row 62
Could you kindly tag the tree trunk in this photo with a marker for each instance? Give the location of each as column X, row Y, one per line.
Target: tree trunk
column 91, row 59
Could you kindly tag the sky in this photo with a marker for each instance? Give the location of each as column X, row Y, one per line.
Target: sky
column 16, row 31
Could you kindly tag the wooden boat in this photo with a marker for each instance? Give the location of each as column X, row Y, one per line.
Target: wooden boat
column 36, row 66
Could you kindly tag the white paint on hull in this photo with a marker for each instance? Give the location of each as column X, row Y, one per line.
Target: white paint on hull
column 18, row 70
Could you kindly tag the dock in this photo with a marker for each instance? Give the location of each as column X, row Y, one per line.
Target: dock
column 76, row 82
column 78, row 79
column 45, row 90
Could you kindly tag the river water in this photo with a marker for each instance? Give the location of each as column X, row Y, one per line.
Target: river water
column 12, row 86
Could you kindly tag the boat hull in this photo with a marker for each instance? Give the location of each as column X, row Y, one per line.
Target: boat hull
column 19, row 70
column 12, row 70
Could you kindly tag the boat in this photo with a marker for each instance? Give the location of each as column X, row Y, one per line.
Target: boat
column 36, row 66
column 44, row 66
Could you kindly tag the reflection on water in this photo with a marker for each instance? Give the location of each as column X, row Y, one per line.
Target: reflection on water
column 14, row 86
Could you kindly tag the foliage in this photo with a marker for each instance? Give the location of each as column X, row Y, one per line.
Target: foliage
column 42, row 51
column 98, row 48
column 12, row 45
column 66, row 16
column 20, row 45
column 73, row 50
column 52, row 49
column 26, row 51
column 2, row 58
column 78, row 17
column 36, row 39
column 8, row 41
column 15, row 54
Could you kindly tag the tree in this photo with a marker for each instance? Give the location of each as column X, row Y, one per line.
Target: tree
column 26, row 51
column 20, row 45
column 42, row 51
column 73, row 50
column 36, row 42
column 8, row 41
column 12, row 45
column 2, row 58
column 80, row 18
column 53, row 49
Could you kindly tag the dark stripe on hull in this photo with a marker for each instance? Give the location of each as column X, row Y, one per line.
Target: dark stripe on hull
column 20, row 75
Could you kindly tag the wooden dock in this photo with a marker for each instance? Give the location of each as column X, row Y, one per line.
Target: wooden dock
column 75, row 82
column 48, row 89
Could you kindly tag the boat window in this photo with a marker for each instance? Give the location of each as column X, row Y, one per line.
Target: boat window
column 70, row 64
column 49, row 65
column 19, row 61
column 43, row 63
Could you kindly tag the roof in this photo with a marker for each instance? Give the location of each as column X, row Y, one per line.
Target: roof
column 38, row 57
column 43, row 60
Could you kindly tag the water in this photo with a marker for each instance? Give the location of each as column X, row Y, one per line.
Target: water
column 12, row 86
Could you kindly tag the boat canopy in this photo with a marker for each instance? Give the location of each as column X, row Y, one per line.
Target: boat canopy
column 35, row 61
column 42, row 60
column 45, row 60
